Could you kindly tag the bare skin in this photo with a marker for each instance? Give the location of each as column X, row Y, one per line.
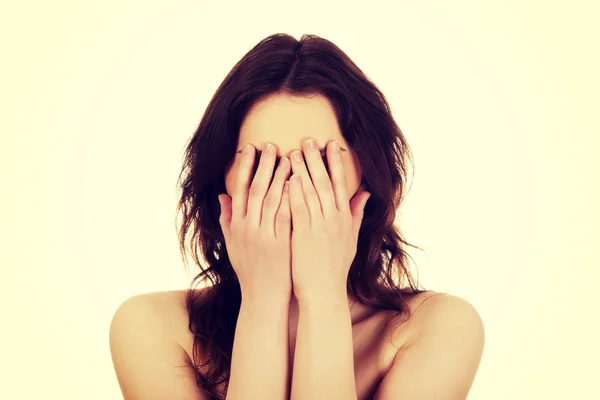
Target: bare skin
column 151, row 344
column 377, row 338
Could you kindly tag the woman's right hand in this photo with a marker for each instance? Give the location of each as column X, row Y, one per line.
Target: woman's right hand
column 256, row 224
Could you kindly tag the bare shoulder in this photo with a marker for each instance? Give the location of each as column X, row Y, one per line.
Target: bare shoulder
column 431, row 310
column 445, row 309
column 442, row 356
column 148, row 334
column 169, row 307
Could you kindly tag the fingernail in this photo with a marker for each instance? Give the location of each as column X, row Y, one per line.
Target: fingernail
column 336, row 146
column 297, row 155
column 247, row 149
column 295, row 179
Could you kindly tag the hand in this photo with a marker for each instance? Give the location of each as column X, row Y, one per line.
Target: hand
column 325, row 223
column 257, row 228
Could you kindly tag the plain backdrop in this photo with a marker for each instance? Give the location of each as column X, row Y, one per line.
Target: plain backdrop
column 498, row 101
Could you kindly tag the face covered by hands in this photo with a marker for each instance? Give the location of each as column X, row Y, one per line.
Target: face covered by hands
column 325, row 221
column 283, row 120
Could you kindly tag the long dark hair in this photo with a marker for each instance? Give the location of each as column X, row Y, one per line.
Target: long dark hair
column 280, row 64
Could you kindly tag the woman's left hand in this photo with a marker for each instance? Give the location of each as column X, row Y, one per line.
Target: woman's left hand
column 325, row 223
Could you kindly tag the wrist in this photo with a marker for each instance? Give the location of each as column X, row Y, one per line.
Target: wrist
column 268, row 313
column 323, row 298
column 268, row 299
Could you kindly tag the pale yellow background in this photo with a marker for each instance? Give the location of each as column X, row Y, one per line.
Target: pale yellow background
column 499, row 101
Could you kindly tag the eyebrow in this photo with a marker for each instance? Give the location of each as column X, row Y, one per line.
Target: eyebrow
column 321, row 150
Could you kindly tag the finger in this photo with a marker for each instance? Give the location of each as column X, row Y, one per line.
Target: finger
column 283, row 220
column 225, row 214
column 260, row 184
column 319, row 177
column 338, row 176
column 357, row 209
column 242, row 183
column 310, row 195
column 273, row 197
column 299, row 211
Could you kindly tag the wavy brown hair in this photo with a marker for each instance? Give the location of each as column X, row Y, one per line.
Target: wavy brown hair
column 280, row 64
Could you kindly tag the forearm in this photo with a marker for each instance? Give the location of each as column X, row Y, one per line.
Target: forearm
column 260, row 358
column 324, row 356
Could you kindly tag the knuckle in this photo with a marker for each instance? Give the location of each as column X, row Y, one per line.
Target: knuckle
column 234, row 229
column 257, row 189
column 237, row 227
column 283, row 215
column 271, row 201
column 298, row 208
column 346, row 221
column 264, row 237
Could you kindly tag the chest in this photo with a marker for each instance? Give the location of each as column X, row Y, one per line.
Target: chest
column 375, row 342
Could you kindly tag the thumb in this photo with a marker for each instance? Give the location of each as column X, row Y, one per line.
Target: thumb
column 357, row 208
column 225, row 213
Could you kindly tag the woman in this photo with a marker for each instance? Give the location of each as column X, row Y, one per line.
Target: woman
column 310, row 295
